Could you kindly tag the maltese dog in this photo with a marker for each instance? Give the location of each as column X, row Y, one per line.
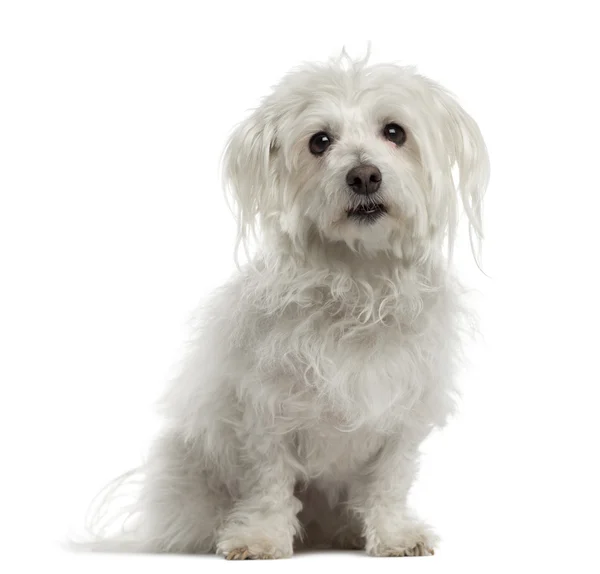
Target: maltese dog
column 314, row 375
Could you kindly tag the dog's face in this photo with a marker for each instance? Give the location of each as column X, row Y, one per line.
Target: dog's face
column 361, row 155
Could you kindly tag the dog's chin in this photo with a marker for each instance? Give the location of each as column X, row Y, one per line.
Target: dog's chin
column 367, row 214
column 370, row 226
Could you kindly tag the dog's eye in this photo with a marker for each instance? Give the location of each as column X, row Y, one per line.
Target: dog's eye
column 319, row 143
column 394, row 133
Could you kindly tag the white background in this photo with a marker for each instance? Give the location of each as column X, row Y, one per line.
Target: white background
column 113, row 115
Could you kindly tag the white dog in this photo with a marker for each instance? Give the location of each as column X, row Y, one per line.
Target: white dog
column 319, row 369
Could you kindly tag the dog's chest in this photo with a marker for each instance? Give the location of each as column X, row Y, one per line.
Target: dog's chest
column 326, row 452
column 365, row 365
column 335, row 346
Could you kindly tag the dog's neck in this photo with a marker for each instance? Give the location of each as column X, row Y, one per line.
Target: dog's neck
column 337, row 277
column 322, row 257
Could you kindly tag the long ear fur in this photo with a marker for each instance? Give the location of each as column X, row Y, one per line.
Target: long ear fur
column 467, row 154
column 248, row 174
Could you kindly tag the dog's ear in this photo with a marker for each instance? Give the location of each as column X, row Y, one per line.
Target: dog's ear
column 465, row 153
column 248, row 169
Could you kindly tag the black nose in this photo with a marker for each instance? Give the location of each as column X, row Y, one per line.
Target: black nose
column 364, row 179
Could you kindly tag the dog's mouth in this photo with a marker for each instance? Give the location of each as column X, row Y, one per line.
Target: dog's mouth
column 367, row 213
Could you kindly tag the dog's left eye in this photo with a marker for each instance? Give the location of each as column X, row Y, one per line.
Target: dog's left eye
column 319, row 143
column 394, row 133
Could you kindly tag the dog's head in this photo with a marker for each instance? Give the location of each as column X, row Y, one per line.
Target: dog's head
column 358, row 154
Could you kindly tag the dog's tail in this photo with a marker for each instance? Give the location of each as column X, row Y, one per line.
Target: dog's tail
column 112, row 520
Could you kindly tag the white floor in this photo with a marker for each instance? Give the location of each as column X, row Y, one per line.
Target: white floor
column 508, row 556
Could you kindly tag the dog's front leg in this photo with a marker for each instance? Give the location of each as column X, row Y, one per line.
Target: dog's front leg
column 379, row 496
column 262, row 522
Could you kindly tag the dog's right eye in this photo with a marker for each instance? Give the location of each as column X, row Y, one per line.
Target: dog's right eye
column 319, row 143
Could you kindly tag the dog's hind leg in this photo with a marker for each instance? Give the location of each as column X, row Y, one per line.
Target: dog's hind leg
column 178, row 508
column 182, row 502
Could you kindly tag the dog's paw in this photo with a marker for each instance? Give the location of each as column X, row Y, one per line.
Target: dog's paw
column 254, row 551
column 244, row 553
column 419, row 549
column 412, row 539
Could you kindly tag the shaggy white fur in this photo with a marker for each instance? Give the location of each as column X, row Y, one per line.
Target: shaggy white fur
column 317, row 371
